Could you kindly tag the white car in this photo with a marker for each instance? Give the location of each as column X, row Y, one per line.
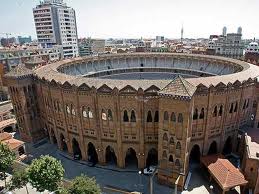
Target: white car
column 149, row 171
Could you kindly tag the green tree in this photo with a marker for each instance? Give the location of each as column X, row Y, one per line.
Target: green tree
column 7, row 158
column 45, row 173
column 19, row 180
column 84, row 185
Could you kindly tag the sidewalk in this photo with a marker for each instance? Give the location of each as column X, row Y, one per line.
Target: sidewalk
column 23, row 190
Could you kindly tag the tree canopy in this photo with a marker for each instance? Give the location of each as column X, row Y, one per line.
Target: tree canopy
column 84, row 185
column 7, row 157
column 19, row 180
column 45, row 173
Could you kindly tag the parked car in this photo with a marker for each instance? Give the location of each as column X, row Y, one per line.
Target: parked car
column 149, row 170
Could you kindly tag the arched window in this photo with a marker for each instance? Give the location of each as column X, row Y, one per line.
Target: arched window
column 68, row 109
column 178, row 145
column 164, row 155
column 165, row 137
column 104, row 116
column 171, row 141
column 171, row 159
column 180, row 118
column 149, row 117
column 90, row 113
column 236, row 106
column 110, row 118
column 73, row 112
column 195, row 114
column 156, row 118
column 132, row 116
column 84, row 112
column 215, row 112
column 125, row 116
column 220, row 110
column 177, row 163
column 231, row 108
column 166, row 117
column 202, row 114
column 173, row 117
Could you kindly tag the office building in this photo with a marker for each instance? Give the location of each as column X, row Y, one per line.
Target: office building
column 55, row 24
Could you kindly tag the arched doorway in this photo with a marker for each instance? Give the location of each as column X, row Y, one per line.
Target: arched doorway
column 110, row 156
column 63, row 143
column 8, row 129
column 131, row 159
column 213, row 148
column 227, row 146
column 21, row 151
column 194, row 157
column 92, row 154
column 152, row 158
column 76, row 149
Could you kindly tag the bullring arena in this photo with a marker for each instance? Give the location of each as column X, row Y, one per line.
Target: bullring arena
column 140, row 109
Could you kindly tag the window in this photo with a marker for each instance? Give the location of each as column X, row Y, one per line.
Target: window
column 85, row 113
column 165, row 137
column 172, row 141
column 220, row 110
column 195, row 114
column 90, row 113
column 156, row 118
column 231, row 108
column 247, row 103
column 125, row 116
column 215, row 112
column 180, row 118
column 132, row 116
column 236, row 105
column 171, row 159
column 110, row 118
column 68, row 109
column 178, row 145
column 73, row 110
column 166, row 117
column 177, row 163
column 164, row 155
column 173, row 117
column 202, row 114
column 149, row 117
column 104, row 116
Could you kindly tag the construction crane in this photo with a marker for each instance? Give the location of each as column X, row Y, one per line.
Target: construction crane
column 7, row 37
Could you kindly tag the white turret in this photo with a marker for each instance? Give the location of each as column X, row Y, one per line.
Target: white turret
column 239, row 30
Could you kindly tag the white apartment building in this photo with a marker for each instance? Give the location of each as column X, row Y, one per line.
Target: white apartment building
column 228, row 45
column 55, row 24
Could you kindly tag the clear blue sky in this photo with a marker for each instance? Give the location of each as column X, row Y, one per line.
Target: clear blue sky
column 146, row 18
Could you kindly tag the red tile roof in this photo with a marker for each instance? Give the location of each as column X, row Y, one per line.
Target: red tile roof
column 5, row 136
column 13, row 143
column 209, row 159
column 226, row 175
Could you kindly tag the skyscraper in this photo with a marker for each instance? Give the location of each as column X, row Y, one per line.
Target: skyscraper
column 224, row 31
column 55, row 23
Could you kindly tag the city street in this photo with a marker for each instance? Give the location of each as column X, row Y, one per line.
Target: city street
column 129, row 181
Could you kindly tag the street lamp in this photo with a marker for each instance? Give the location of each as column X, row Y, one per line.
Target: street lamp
column 211, row 189
column 140, row 178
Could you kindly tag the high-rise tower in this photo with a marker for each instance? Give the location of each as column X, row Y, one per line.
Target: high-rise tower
column 182, row 34
column 224, row 31
column 55, row 23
